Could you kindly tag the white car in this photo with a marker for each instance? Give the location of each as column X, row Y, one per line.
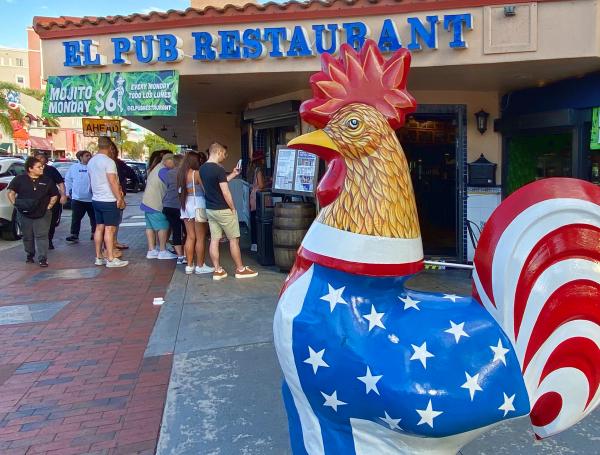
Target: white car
column 9, row 168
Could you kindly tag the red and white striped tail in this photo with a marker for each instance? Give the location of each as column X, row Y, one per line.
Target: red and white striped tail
column 537, row 271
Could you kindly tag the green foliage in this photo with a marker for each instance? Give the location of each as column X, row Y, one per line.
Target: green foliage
column 154, row 142
column 5, row 118
column 133, row 150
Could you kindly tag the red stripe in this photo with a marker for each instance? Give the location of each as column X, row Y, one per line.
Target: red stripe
column 567, row 242
column 301, row 265
column 546, row 409
column 580, row 353
column 576, row 300
column 516, row 203
column 358, row 268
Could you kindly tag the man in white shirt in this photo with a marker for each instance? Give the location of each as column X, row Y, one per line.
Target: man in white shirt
column 107, row 199
column 79, row 189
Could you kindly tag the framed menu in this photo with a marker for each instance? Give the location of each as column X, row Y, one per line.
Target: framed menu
column 295, row 172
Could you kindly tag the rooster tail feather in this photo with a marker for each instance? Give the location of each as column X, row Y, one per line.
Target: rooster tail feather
column 537, row 271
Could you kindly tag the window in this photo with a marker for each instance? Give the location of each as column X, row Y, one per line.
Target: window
column 19, row 62
column 20, row 80
column 16, row 169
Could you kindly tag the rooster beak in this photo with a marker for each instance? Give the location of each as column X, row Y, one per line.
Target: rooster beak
column 317, row 142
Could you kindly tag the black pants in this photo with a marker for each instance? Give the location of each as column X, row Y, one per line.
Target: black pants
column 35, row 233
column 174, row 218
column 253, row 227
column 56, row 212
column 78, row 211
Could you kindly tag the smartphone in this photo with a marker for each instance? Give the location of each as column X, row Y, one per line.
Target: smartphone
column 239, row 164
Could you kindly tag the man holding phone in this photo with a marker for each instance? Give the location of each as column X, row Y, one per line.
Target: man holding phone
column 220, row 211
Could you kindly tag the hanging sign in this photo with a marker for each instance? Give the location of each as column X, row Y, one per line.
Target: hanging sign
column 295, row 172
column 595, row 137
column 116, row 94
column 96, row 127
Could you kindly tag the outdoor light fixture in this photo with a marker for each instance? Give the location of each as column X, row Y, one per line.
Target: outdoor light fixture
column 163, row 128
column 482, row 120
column 510, row 11
column 174, row 135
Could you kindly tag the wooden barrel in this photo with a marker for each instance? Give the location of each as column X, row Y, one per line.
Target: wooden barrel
column 290, row 223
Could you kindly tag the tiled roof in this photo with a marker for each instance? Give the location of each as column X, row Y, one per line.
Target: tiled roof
column 55, row 27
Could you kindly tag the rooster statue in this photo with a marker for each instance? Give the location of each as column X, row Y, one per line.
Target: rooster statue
column 371, row 367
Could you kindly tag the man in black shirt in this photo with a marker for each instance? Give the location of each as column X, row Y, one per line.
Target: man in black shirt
column 34, row 195
column 220, row 211
column 54, row 175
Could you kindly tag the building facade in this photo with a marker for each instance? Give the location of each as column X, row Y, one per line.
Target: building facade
column 244, row 72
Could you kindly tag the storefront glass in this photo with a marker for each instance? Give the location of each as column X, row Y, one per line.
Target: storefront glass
column 537, row 156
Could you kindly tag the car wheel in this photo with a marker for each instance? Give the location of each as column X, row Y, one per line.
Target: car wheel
column 13, row 230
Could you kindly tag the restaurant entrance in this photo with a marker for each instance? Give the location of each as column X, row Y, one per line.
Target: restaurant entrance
column 429, row 142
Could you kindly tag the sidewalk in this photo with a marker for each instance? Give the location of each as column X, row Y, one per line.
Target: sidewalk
column 224, row 392
column 72, row 374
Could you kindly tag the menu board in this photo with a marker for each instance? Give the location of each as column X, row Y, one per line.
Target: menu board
column 295, row 172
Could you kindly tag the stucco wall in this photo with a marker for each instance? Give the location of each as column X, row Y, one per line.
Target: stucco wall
column 223, row 128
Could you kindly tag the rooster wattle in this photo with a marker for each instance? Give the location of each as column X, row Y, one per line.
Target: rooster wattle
column 371, row 367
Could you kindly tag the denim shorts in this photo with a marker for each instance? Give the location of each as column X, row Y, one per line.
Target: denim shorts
column 157, row 221
column 106, row 213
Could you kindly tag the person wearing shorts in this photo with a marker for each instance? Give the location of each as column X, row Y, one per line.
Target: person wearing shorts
column 107, row 199
column 220, row 211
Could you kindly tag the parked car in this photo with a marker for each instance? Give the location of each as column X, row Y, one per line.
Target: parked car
column 142, row 167
column 138, row 183
column 9, row 226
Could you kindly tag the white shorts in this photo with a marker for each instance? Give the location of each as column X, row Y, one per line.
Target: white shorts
column 191, row 204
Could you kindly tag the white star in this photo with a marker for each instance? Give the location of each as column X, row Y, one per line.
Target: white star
column 393, row 423
column 316, row 359
column 374, row 318
column 427, row 415
column 457, row 330
column 472, row 384
column 508, row 404
column 334, row 297
column 499, row 352
column 410, row 303
column 370, row 381
column 452, row 297
column 393, row 338
column 421, row 354
column 332, row 400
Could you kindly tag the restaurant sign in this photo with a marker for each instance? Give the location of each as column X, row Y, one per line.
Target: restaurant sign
column 115, row 94
column 270, row 42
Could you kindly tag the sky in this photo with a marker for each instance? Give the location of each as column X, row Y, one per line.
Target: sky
column 17, row 15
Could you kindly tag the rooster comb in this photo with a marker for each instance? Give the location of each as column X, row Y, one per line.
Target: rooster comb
column 360, row 77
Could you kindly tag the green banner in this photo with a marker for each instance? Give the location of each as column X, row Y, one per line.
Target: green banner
column 595, row 138
column 118, row 94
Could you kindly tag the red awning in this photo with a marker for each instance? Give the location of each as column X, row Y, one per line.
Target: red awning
column 40, row 143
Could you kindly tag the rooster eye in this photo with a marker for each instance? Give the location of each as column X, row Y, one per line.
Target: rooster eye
column 353, row 123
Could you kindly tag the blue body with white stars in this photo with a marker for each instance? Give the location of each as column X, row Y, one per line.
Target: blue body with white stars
column 367, row 349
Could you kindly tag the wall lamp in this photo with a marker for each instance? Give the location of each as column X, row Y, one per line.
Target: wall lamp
column 482, row 120
column 510, row 11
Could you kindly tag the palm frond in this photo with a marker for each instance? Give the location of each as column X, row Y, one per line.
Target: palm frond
column 5, row 125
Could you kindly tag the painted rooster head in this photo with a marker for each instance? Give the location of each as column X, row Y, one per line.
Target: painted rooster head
column 359, row 99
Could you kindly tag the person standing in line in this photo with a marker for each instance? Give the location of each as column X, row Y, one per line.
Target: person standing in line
column 34, row 195
column 152, row 205
column 124, row 172
column 52, row 173
column 191, row 200
column 79, row 189
column 171, row 206
column 107, row 200
column 258, row 184
column 220, row 211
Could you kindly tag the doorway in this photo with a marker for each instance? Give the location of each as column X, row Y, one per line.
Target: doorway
column 430, row 142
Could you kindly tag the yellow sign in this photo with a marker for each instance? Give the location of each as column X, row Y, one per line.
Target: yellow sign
column 95, row 127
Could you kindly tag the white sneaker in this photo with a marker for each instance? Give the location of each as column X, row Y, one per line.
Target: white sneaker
column 204, row 269
column 181, row 260
column 100, row 261
column 254, row 247
column 189, row 269
column 166, row 255
column 152, row 254
column 116, row 262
